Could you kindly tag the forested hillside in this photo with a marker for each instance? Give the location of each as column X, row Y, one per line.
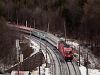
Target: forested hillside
column 81, row 17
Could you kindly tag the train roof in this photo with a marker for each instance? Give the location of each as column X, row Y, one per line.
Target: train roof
column 37, row 30
column 64, row 44
column 53, row 37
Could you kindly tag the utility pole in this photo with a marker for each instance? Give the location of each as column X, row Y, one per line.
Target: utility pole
column 18, row 48
column 4, row 64
column 40, row 44
column 87, row 65
column 40, row 56
column 65, row 31
column 39, row 69
column 46, row 52
column 48, row 28
column 17, row 21
column 30, row 31
column 79, row 55
column 21, row 59
column 30, row 36
column 26, row 23
column 97, row 41
column 34, row 24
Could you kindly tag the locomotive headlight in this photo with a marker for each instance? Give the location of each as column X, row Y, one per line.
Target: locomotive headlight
column 68, row 55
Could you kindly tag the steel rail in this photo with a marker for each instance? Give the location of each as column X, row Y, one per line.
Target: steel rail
column 62, row 62
column 53, row 63
column 76, row 68
column 62, row 67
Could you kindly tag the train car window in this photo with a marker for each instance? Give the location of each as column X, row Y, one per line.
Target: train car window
column 34, row 33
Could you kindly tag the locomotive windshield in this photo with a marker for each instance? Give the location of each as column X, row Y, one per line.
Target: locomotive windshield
column 68, row 51
column 64, row 44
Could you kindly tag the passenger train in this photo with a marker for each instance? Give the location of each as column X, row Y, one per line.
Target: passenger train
column 65, row 49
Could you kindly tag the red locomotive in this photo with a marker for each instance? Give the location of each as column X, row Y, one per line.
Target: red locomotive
column 66, row 51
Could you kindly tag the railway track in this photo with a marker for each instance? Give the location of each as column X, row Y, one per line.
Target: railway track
column 67, row 68
column 58, row 64
column 53, row 65
column 62, row 62
column 73, row 69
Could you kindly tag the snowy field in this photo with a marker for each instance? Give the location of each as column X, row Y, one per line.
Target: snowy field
column 91, row 71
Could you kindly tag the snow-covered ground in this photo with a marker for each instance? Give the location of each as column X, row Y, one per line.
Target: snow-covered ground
column 92, row 60
column 43, row 69
column 90, row 71
column 35, row 47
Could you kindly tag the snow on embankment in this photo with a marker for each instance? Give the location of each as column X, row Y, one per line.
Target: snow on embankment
column 43, row 69
column 36, row 48
column 91, row 71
